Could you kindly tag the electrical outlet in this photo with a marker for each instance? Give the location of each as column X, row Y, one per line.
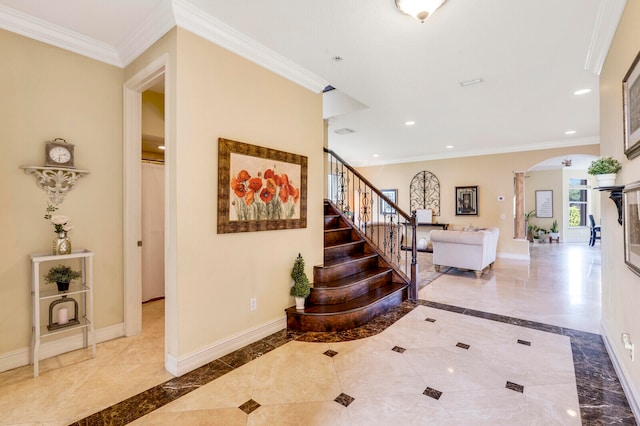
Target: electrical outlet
column 253, row 304
column 626, row 340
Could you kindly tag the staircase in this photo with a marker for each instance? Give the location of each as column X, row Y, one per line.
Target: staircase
column 354, row 285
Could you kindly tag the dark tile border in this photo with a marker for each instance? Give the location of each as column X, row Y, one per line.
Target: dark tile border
column 600, row 394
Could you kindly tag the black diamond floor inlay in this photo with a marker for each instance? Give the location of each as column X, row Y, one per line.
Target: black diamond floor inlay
column 524, row 342
column 430, row 319
column 435, row 394
column 249, row 406
column 330, row 353
column 398, row 349
column 463, row 345
column 344, row 399
column 514, row 387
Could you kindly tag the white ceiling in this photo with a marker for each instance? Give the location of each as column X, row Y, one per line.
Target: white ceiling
column 531, row 56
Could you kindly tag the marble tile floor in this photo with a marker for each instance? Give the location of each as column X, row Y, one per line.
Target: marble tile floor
column 428, row 362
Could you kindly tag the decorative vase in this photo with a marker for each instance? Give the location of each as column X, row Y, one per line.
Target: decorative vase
column 300, row 303
column 62, row 286
column 62, row 244
column 608, row 179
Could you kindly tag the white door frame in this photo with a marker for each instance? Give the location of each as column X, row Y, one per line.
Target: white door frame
column 152, row 74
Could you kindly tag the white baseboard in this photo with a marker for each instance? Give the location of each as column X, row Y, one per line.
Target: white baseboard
column 180, row 366
column 21, row 357
column 514, row 256
column 629, row 390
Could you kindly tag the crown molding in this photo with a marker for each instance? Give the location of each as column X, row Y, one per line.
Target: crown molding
column 206, row 26
column 607, row 20
column 55, row 35
column 487, row 151
column 148, row 32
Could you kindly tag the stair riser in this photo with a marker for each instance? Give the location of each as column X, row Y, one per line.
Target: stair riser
column 331, row 253
column 346, row 320
column 325, row 274
column 333, row 222
column 338, row 236
column 328, row 296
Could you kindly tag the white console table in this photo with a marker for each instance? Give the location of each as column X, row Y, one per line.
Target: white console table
column 44, row 296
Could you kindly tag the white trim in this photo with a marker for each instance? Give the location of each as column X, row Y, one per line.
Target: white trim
column 55, row 35
column 515, row 256
column 206, row 26
column 607, row 20
column 21, row 357
column 629, row 390
column 190, row 362
column 148, row 32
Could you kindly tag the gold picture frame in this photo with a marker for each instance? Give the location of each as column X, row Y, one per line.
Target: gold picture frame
column 631, row 109
column 260, row 189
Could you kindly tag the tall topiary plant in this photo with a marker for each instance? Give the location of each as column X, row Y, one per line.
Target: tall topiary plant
column 301, row 286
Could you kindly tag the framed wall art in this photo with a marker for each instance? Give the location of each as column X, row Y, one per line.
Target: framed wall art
column 260, row 189
column 391, row 194
column 466, row 200
column 544, row 203
column 631, row 109
column 631, row 196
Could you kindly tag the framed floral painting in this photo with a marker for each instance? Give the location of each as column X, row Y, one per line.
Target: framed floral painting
column 260, row 189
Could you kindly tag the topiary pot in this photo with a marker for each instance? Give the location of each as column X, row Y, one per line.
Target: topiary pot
column 62, row 286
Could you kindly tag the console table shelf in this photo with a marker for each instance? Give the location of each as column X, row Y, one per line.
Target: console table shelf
column 46, row 296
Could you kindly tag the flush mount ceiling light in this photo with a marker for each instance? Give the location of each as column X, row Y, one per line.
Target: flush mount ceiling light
column 419, row 9
column 582, row 92
column 409, row 123
column 570, row 132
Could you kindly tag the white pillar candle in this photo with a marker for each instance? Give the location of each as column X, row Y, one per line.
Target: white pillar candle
column 63, row 316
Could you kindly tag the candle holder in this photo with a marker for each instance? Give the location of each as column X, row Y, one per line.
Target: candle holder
column 72, row 321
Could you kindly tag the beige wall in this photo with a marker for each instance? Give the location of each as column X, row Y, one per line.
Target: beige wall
column 47, row 93
column 493, row 174
column 620, row 286
column 220, row 94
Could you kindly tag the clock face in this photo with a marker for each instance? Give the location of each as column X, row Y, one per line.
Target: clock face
column 60, row 155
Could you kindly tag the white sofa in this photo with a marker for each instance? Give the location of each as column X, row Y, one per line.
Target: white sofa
column 469, row 250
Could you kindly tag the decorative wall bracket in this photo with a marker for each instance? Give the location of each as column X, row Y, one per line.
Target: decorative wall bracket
column 56, row 182
column 615, row 194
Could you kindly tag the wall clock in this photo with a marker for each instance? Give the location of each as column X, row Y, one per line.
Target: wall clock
column 59, row 153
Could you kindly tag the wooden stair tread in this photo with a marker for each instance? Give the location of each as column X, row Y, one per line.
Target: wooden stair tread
column 353, row 279
column 355, row 304
column 348, row 259
column 343, row 243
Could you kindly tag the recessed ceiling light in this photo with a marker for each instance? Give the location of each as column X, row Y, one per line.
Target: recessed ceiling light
column 409, row 123
column 376, row 155
column 161, row 147
column 570, row 132
column 344, row 131
column 582, row 92
column 471, row 82
column 449, row 146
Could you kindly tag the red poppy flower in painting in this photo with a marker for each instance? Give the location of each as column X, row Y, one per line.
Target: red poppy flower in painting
column 243, row 176
column 284, row 193
column 238, row 188
column 255, row 184
column 271, row 186
column 269, row 174
column 266, row 195
column 284, row 179
column 296, row 195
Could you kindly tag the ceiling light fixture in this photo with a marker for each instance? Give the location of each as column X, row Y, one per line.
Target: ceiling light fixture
column 582, row 92
column 566, row 162
column 449, row 146
column 419, row 9
column 570, row 132
column 409, row 123
column 344, row 131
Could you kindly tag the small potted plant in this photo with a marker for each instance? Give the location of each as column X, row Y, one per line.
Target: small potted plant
column 301, row 287
column 553, row 231
column 605, row 169
column 62, row 276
